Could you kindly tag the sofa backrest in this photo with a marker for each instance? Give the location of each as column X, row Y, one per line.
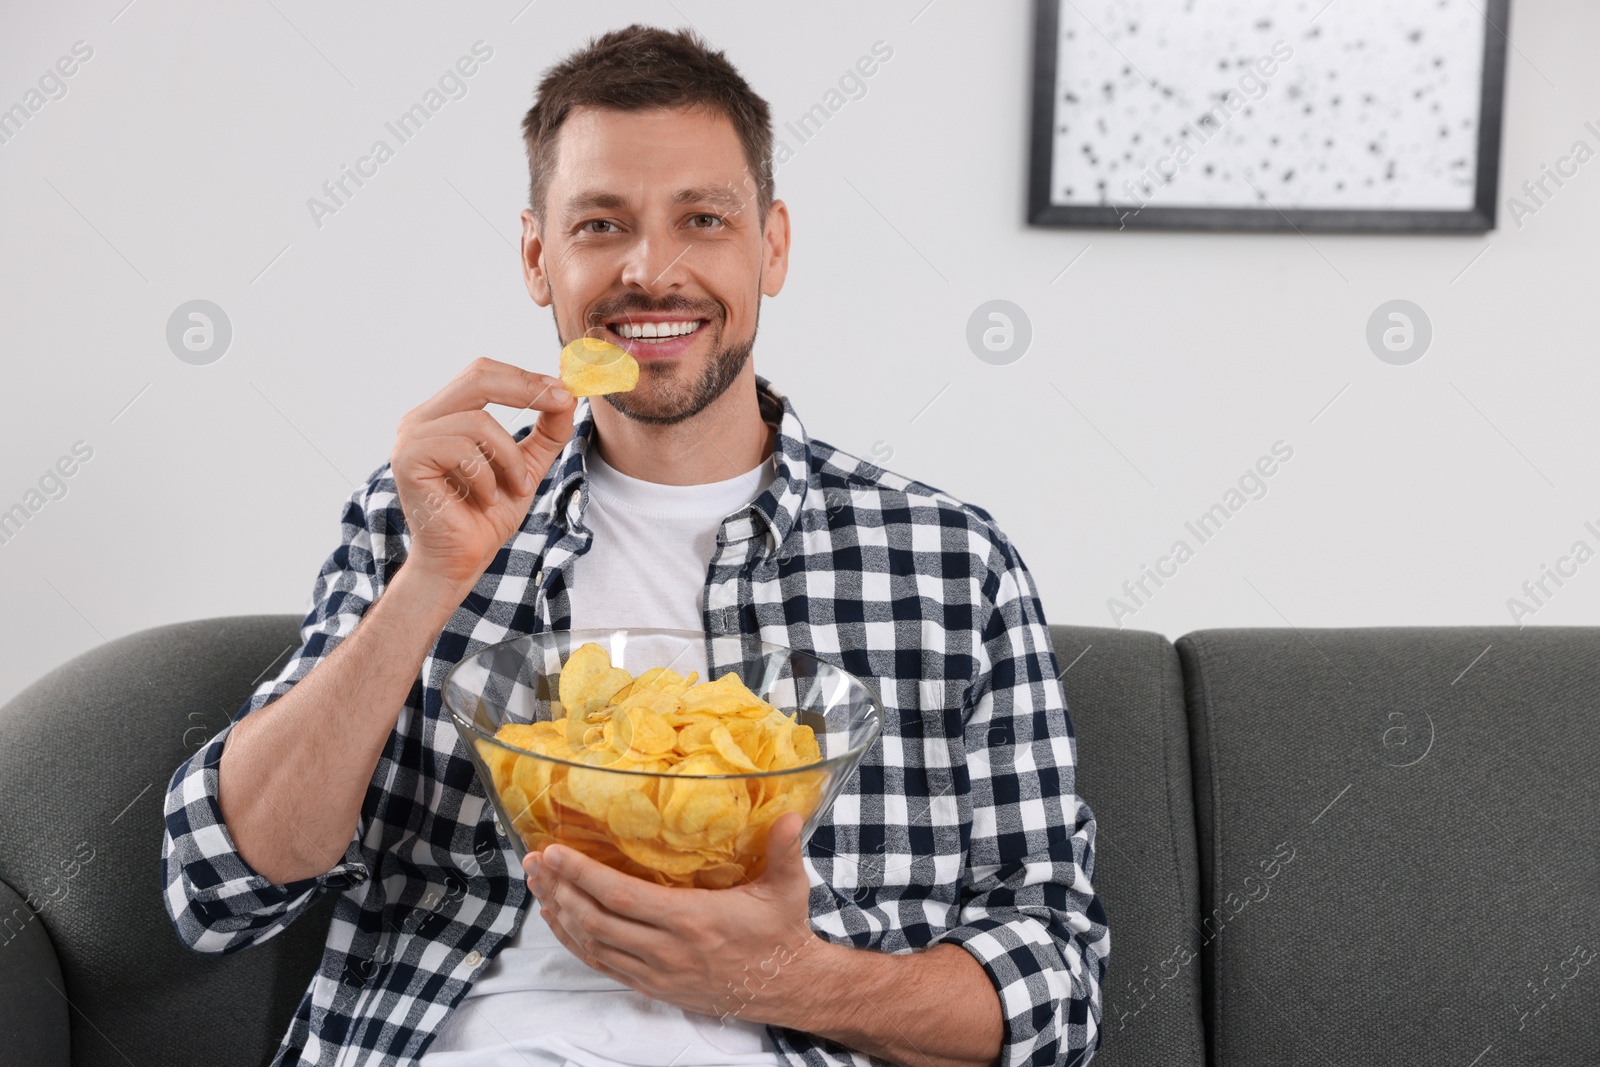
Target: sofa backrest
column 1398, row 843
column 1124, row 696
column 85, row 757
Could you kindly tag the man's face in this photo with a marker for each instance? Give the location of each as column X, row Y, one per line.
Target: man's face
column 651, row 225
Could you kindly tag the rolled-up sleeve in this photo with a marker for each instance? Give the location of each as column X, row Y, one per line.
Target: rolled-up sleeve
column 217, row 902
column 1029, row 913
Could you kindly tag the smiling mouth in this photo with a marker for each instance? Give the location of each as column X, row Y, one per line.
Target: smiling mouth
column 654, row 333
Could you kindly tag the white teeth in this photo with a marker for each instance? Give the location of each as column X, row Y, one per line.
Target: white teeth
column 634, row 330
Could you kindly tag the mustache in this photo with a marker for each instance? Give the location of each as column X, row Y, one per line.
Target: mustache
column 600, row 316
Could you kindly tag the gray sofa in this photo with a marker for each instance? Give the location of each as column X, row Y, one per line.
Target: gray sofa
column 1338, row 847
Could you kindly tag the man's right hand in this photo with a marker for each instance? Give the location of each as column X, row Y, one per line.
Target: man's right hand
column 465, row 486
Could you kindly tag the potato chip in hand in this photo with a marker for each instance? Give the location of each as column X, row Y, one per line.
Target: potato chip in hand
column 590, row 367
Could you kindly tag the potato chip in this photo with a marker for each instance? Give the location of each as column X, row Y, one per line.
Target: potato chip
column 586, row 834
column 721, row 876
column 640, row 732
column 695, row 737
column 561, row 793
column 729, row 749
column 594, row 788
column 663, row 679
column 498, row 760
column 533, row 778
column 727, row 695
column 516, row 802
column 591, row 367
column 739, row 728
column 805, row 745
column 588, row 680
column 634, row 816
column 659, row 857
column 576, row 729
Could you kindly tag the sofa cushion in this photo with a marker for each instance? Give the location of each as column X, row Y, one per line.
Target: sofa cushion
column 86, row 754
column 1124, row 695
column 1397, row 842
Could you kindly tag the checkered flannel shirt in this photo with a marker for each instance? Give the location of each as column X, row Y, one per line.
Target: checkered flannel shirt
column 962, row 824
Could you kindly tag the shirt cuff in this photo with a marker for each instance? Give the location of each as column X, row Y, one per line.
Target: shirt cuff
column 1028, row 971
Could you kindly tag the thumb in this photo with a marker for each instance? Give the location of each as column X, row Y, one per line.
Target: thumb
column 784, row 862
column 550, row 432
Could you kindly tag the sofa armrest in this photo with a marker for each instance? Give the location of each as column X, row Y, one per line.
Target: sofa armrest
column 35, row 1027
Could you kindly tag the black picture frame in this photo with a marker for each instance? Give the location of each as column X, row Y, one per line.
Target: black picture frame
column 1480, row 218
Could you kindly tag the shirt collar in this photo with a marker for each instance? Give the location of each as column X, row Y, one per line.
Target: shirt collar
column 776, row 511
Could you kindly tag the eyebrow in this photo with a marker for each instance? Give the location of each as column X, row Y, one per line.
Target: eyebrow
column 595, row 200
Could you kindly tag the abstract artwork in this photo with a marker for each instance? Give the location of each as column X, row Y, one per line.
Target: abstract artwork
column 1267, row 114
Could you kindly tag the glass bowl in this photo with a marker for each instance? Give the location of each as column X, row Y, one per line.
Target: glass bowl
column 703, row 830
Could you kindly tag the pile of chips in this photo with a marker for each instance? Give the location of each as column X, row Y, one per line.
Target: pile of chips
column 592, row 367
column 679, row 822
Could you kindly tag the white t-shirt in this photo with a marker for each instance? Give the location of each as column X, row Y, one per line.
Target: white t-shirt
column 536, row 1003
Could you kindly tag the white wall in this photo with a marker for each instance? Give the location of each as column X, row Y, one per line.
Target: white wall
column 179, row 164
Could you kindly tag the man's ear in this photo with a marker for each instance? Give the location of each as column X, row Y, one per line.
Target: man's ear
column 533, row 260
column 775, row 249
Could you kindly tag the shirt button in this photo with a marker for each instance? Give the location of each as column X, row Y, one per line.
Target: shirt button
column 474, row 958
column 357, row 877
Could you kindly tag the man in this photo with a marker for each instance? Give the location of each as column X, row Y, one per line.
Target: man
column 941, row 913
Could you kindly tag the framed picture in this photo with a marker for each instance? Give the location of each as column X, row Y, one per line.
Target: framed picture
column 1267, row 114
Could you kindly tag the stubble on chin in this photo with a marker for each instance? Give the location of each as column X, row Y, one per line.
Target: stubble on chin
column 662, row 399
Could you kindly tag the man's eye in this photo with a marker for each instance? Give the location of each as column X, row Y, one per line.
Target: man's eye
column 598, row 222
column 716, row 219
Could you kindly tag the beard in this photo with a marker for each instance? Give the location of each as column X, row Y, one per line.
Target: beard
column 662, row 397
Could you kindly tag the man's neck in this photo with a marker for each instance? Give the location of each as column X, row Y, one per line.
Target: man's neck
column 725, row 439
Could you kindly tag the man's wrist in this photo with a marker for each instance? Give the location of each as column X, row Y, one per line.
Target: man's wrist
column 424, row 594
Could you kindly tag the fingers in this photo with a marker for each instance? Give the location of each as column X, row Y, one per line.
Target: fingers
column 422, row 462
column 481, row 436
column 489, row 381
column 474, row 476
column 451, row 438
column 785, row 833
column 783, row 849
column 620, row 894
column 549, row 436
column 589, row 920
column 613, row 962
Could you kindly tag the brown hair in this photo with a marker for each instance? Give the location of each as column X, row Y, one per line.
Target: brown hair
column 639, row 68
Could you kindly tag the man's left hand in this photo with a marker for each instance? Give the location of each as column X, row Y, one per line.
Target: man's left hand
column 748, row 951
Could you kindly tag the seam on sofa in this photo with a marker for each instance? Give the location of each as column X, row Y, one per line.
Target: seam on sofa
column 1166, row 770
column 1172, row 684
column 1199, row 723
column 1180, row 830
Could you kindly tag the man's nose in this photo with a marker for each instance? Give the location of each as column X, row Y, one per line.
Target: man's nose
column 655, row 263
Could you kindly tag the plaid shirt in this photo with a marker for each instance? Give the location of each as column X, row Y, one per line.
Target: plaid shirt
column 962, row 824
